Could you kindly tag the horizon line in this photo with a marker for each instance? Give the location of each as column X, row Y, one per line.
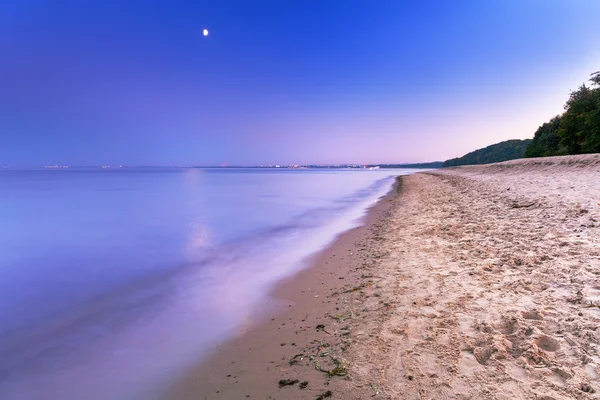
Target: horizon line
column 183, row 166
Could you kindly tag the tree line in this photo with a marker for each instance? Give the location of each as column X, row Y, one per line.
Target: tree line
column 503, row 151
column 577, row 130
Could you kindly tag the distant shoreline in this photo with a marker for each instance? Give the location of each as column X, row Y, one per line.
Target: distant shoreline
column 432, row 165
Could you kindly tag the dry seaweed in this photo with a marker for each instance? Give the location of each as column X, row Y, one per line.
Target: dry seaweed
column 340, row 368
column 339, row 317
column 374, row 389
column 287, row 382
column 354, row 289
column 325, row 395
column 321, row 327
column 294, row 360
column 522, row 205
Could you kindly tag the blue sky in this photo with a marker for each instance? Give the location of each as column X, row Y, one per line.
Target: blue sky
column 113, row 82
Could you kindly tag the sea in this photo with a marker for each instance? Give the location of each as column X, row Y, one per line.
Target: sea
column 114, row 282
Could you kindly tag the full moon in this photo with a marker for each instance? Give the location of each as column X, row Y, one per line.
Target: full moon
column 205, row 32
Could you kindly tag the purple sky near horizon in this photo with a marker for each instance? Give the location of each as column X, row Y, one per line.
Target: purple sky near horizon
column 283, row 82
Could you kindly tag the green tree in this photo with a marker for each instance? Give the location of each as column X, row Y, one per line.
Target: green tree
column 546, row 141
column 580, row 125
column 577, row 130
column 595, row 78
column 503, row 151
column 591, row 143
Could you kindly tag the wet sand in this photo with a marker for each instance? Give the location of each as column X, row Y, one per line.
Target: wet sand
column 477, row 282
column 309, row 329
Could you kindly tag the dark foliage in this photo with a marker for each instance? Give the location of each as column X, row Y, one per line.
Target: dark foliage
column 325, row 395
column 503, row 151
column 287, row 382
column 546, row 141
column 577, row 131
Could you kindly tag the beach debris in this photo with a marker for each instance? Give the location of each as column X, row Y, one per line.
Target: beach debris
column 303, row 385
column 321, row 327
column 374, row 389
column 339, row 317
column 359, row 287
column 297, row 358
column 340, row 368
column 516, row 204
column 287, row 382
column 325, row 395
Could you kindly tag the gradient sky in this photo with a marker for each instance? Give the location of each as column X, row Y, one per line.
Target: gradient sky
column 135, row 82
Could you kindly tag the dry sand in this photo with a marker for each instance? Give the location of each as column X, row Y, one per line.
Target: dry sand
column 475, row 282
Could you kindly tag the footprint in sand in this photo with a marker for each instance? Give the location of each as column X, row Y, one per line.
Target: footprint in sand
column 483, row 354
column 547, row 343
column 534, row 315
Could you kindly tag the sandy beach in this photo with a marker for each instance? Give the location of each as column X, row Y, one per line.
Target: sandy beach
column 478, row 282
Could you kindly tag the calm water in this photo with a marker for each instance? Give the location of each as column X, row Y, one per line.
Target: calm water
column 114, row 282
